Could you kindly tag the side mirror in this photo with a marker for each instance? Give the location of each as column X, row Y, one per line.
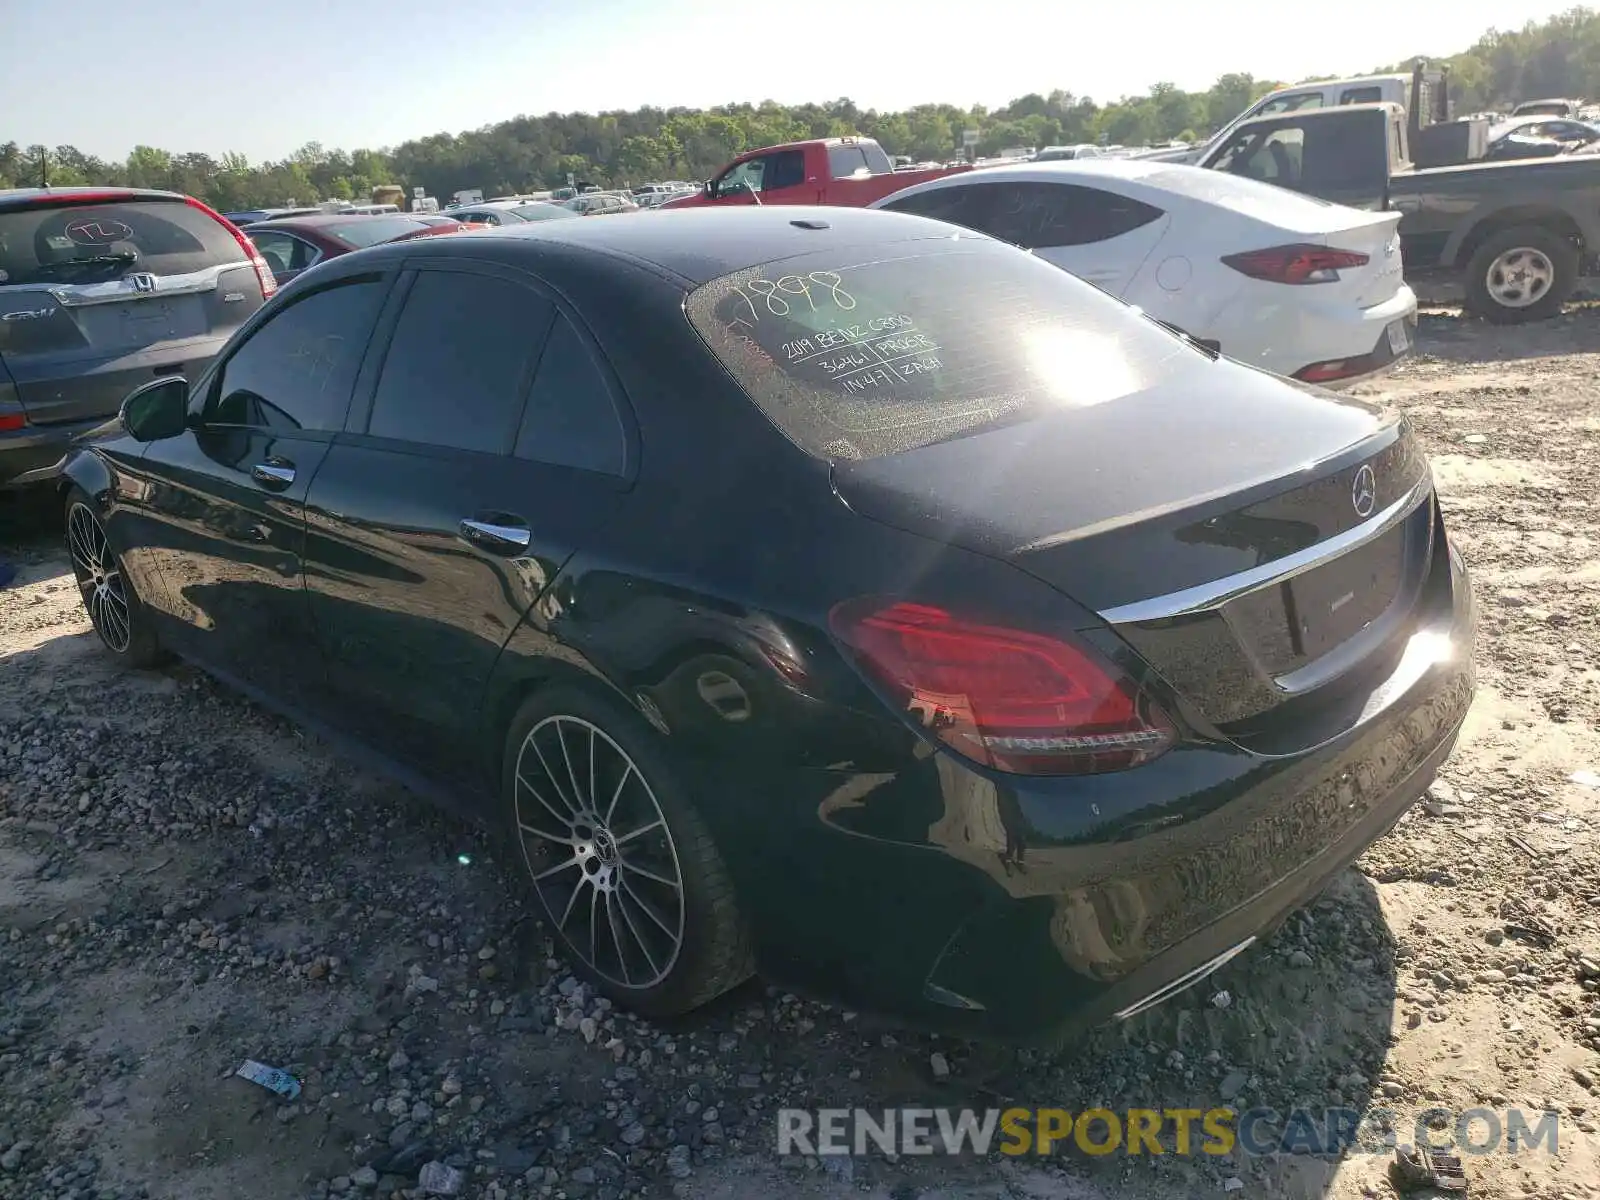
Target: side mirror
column 159, row 409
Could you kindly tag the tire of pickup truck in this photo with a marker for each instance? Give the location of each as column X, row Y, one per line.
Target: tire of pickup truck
column 1521, row 274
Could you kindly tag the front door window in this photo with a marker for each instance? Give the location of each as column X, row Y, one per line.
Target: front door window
column 751, row 173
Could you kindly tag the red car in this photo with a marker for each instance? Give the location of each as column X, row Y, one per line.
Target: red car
column 295, row 244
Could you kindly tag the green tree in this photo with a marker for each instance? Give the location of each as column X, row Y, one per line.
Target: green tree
column 1558, row 57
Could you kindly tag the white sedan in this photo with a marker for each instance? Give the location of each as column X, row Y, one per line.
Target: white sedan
column 1281, row 281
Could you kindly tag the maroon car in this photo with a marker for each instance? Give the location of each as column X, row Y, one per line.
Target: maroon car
column 294, row 244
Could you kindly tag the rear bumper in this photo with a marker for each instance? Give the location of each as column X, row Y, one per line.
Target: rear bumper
column 1310, row 333
column 35, row 454
column 1363, row 349
column 1031, row 909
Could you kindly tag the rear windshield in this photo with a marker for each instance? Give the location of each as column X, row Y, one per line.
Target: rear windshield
column 1248, row 197
column 862, row 355
column 92, row 243
column 369, row 231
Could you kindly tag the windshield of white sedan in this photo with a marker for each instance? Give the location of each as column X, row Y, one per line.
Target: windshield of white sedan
column 857, row 358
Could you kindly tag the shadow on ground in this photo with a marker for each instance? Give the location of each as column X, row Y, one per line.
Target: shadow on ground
column 219, row 887
column 1456, row 337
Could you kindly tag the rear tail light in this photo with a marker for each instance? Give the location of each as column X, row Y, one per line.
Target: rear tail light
column 269, row 285
column 12, row 415
column 1296, row 264
column 1009, row 699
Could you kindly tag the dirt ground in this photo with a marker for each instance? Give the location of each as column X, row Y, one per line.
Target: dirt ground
column 186, row 882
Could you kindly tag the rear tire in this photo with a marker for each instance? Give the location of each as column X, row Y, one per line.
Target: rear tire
column 119, row 617
column 623, row 865
column 1521, row 274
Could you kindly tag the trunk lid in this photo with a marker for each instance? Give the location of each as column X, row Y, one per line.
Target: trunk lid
column 1270, row 216
column 96, row 298
column 1247, row 567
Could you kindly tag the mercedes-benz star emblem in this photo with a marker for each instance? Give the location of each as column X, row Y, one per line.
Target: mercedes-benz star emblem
column 1364, row 491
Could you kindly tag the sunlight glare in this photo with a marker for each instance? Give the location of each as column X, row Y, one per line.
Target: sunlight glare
column 1080, row 367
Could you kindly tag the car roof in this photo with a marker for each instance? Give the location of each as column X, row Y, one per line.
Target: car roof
column 1164, row 185
column 17, row 197
column 1129, row 169
column 698, row 245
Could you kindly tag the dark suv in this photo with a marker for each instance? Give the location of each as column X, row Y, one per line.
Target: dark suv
column 102, row 289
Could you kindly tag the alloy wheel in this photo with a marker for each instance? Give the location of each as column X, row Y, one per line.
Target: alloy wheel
column 100, row 579
column 1520, row 277
column 600, row 853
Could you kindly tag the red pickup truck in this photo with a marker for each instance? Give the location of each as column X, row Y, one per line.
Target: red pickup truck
column 848, row 171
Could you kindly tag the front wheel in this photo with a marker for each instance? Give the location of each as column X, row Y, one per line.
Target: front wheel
column 1521, row 274
column 109, row 598
column 623, row 864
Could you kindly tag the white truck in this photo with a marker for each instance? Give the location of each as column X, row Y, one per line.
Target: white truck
column 1422, row 93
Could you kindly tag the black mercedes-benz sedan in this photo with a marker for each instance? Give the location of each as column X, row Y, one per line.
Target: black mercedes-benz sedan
column 833, row 594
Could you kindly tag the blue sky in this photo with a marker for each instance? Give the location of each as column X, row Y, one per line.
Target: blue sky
column 105, row 75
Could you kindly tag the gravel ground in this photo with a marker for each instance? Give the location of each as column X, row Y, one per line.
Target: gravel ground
column 186, row 883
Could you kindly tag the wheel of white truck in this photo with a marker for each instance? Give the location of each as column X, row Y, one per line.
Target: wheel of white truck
column 1521, row 274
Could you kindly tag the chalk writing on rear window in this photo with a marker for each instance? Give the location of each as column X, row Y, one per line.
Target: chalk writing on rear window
column 922, row 344
column 864, row 356
column 812, row 292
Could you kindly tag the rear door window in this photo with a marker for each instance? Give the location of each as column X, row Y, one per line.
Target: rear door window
column 785, row 169
column 858, row 356
column 460, row 361
column 1043, row 215
column 1361, row 95
column 967, row 206
column 93, row 243
column 1033, row 215
column 294, row 373
column 571, row 418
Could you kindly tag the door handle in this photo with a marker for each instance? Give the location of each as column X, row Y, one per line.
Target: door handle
column 490, row 535
column 274, row 473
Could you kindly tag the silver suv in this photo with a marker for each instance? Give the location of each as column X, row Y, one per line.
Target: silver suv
column 102, row 289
